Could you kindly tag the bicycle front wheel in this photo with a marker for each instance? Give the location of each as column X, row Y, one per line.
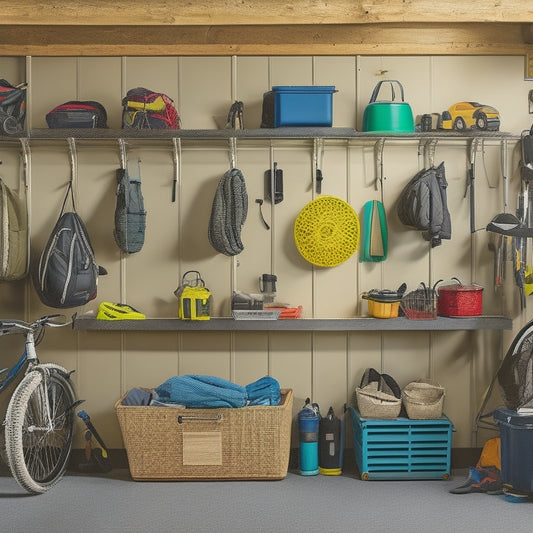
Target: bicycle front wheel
column 39, row 429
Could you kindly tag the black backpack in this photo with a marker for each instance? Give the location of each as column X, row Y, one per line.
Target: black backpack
column 77, row 114
column 130, row 216
column 146, row 109
column 67, row 273
column 423, row 205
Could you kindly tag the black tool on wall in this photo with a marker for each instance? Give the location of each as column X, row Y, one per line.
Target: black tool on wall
column 274, row 184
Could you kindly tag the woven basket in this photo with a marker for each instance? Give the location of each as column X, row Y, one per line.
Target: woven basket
column 423, row 399
column 170, row 443
column 372, row 403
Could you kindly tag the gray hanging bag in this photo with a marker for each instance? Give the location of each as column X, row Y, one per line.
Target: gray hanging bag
column 130, row 216
column 228, row 213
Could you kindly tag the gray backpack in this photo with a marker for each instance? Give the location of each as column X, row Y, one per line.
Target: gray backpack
column 14, row 235
column 423, row 205
column 130, row 216
column 67, row 273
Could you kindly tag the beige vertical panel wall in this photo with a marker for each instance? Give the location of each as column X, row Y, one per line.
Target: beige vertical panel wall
column 323, row 365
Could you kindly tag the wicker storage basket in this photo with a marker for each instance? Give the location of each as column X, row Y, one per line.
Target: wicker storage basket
column 423, row 399
column 373, row 403
column 170, row 443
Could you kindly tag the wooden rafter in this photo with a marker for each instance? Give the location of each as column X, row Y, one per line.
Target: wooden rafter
column 271, row 12
column 259, row 27
column 360, row 39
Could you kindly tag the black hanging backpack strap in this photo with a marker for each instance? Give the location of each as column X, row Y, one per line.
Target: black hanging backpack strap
column 70, row 192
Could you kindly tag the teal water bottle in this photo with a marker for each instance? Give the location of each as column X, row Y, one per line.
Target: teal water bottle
column 308, row 425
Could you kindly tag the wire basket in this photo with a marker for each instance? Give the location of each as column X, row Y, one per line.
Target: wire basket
column 420, row 304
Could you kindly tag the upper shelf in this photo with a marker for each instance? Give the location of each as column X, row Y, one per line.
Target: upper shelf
column 295, row 133
column 301, row 324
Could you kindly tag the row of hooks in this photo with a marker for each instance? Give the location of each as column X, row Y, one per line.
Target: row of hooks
column 426, row 148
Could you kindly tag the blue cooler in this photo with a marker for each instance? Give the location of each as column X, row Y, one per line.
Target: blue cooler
column 516, row 434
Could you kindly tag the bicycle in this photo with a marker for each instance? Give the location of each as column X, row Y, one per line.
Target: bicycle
column 39, row 421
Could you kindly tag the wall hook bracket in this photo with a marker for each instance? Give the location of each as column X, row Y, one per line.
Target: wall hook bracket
column 73, row 156
column 122, row 153
column 26, row 153
column 176, row 157
column 233, row 151
column 429, row 152
column 378, row 159
column 318, row 157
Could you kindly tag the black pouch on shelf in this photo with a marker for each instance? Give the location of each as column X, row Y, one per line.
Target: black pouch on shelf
column 77, row 114
column 267, row 112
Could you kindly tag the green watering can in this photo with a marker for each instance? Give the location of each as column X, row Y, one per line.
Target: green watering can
column 393, row 116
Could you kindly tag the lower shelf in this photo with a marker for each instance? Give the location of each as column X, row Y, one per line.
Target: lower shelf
column 86, row 323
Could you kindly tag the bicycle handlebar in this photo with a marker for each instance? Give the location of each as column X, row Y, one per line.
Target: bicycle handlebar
column 10, row 326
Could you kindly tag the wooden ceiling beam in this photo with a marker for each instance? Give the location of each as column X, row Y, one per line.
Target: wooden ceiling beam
column 354, row 39
column 271, row 12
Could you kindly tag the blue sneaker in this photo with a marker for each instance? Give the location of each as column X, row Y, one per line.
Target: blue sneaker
column 481, row 480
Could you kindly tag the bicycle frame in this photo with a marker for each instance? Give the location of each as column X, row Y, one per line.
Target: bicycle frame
column 14, row 370
column 29, row 354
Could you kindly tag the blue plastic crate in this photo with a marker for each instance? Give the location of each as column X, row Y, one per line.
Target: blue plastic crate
column 401, row 448
column 303, row 105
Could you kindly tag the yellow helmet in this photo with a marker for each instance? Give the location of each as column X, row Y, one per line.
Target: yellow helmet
column 110, row 311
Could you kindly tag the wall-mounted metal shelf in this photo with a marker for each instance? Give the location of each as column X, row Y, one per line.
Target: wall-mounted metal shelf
column 84, row 323
column 261, row 133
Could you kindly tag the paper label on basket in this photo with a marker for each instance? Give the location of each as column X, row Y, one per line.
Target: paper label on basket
column 202, row 448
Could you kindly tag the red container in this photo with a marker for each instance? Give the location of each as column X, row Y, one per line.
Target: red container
column 460, row 300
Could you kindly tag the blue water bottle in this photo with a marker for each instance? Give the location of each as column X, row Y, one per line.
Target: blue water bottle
column 308, row 424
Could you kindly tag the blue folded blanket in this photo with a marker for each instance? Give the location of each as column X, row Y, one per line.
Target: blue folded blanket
column 197, row 391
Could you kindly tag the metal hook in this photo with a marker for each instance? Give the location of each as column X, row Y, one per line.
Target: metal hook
column 472, row 150
column 503, row 156
column 429, row 151
column 73, row 155
column 122, row 153
column 25, row 145
column 233, row 150
column 318, row 157
column 176, row 143
column 421, row 147
column 378, row 155
column 493, row 184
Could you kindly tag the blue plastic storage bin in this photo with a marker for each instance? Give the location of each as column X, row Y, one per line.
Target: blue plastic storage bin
column 401, row 448
column 516, row 434
column 303, row 105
